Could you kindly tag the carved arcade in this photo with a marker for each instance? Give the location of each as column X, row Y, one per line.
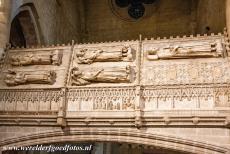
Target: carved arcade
column 119, row 98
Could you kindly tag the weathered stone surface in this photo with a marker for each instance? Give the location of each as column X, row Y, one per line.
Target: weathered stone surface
column 165, row 93
column 52, row 58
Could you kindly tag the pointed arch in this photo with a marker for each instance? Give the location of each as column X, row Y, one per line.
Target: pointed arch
column 118, row 136
column 25, row 28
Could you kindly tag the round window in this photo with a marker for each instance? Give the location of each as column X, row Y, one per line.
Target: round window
column 133, row 10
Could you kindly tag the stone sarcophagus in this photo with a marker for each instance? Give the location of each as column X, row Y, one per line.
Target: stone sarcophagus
column 187, row 61
column 150, row 76
column 113, row 63
column 35, row 68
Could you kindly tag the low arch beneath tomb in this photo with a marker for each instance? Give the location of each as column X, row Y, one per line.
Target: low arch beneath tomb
column 127, row 136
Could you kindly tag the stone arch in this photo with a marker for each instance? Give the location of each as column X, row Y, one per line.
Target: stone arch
column 119, row 136
column 25, row 28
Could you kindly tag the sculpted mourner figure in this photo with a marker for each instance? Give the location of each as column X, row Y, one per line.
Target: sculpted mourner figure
column 105, row 75
column 20, row 78
column 180, row 52
column 53, row 58
column 86, row 56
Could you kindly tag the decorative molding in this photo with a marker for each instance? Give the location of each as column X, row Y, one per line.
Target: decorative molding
column 104, row 98
column 217, row 95
column 30, row 100
column 186, row 72
column 118, row 135
column 150, row 121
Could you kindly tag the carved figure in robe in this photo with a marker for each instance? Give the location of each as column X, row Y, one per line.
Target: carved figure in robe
column 103, row 75
column 180, row 52
column 53, row 58
column 20, row 78
column 86, row 56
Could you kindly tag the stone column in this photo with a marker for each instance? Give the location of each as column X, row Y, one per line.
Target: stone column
column 108, row 148
column 228, row 15
column 5, row 9
column 98, row 148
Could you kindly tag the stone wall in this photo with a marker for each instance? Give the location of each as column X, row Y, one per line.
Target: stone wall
column 227, row 15
column 170, row 18
column 210, row 13
column 93, row 21
column 59, row 20
column 4, row 22
column 70, row 20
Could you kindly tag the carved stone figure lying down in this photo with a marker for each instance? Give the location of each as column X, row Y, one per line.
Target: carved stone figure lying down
column 86, row 56
column 104, row 75
column 52, row 58
column 180, row 52
column 20, row 78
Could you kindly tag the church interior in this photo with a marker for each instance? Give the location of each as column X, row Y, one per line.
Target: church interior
column 125, row 76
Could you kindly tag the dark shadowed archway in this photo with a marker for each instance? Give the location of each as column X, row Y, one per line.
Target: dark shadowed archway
column 25, row 29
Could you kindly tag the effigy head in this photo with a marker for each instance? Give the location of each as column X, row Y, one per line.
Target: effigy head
column 81, row 52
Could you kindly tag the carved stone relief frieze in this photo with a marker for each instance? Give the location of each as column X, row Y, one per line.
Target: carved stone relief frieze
column 30, row 100
column 50, row 58
column 103, row 63
column 115, row 54
column 86, row 99
column 222, row 97
column 178, row 51
column 173, row 74
column 191, row 61
column 14, row 78
column 39, row 68
column 196, row 72
column 201, row 96
column 119, row 74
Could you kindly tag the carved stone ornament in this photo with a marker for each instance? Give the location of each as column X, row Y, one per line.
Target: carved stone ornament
column 104, row 75
column 52, row 58
column 14, row 78
column 86, row 56
column 183, row 52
